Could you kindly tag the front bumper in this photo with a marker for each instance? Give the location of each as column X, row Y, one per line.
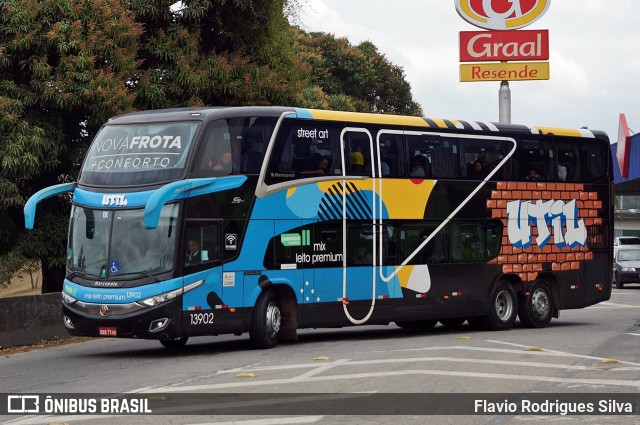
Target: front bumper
column 126, row 321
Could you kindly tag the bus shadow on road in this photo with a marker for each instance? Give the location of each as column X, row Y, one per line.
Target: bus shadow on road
column 229, row 344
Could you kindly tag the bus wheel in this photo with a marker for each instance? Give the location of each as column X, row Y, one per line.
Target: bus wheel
column 174, row 343
column 503, row 307
column 453, row 323
column 417, row 324
column 536, row 309
column 266, row 321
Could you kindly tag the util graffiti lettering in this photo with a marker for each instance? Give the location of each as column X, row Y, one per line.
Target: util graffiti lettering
column 114, row 200
column 562, row 217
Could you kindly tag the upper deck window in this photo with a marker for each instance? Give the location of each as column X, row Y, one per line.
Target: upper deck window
column 133, row 154
column 233, row 146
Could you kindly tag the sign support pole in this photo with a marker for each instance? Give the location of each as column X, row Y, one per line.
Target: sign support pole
column 504, row 104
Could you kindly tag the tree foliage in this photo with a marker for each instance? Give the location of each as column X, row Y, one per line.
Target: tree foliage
column 67, row 66
column 354, row 78
column 63, row 71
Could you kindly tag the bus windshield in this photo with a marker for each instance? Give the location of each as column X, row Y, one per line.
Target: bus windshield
column 106, row 243
column 140, row 153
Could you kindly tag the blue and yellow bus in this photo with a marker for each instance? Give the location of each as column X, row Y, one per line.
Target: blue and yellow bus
column 265, row 220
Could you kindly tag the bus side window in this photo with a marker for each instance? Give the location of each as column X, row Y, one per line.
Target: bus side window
column 568, row 158
column 533, row 161
column 481, row 156
column 436, row 250
column 299, row 148
column 391, row 154
column 593, row 157
column 432, row 156
column 474, row 242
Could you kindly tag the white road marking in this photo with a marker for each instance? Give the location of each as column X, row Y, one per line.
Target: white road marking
column 563, row 353
column 416, row 372
column 606, row 305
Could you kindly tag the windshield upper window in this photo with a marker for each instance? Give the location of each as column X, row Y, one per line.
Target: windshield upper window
column 110, row 243
column 631, row 255
column 138, row 153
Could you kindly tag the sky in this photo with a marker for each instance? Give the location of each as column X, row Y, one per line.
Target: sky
column 594, row 59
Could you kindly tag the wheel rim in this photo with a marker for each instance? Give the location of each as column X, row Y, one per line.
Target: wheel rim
column 274, row 319
column 540, row 303
column 504, row 305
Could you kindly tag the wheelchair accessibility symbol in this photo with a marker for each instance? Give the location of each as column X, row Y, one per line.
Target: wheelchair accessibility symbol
column 114, row 267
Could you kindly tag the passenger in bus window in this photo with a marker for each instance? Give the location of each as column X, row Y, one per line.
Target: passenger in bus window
column 224, row 167
column 322, row 170
column 362, row 256
column 532, row 176
column 357, row 162
column 477, row 171
column 562, row 173
column 417, row 166
column 193, row 254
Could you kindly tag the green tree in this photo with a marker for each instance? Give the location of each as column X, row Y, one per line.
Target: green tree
column 63, row 71
column 355, row 78
column 216, row 52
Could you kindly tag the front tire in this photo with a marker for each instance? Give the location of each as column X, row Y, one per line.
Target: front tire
column 266, row 322
column 536, row 310
column 619, row 283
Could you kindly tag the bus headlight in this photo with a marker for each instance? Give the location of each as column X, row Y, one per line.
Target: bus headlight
column 68, row 299
column 168, row 296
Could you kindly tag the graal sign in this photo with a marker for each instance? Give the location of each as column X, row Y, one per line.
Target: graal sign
column 523, row 45
column 501, row 14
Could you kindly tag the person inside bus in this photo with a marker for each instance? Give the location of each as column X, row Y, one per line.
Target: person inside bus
column 321, row 170
column 193, row 254
column 417, row 166
column 224, row 167
column 362, row 256
column 357, row 162
column 533, row 176
column 476, row 170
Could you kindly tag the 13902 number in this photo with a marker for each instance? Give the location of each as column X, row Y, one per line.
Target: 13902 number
column 201, row 318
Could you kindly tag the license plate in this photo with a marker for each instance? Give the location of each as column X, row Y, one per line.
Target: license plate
column 104, row 331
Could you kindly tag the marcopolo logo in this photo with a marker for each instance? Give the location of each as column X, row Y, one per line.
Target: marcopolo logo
column 501, row 14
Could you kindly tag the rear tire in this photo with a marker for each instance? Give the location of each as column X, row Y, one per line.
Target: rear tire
column 266, row 322
column 536, row 310
column 174, row 343
column 503, row 309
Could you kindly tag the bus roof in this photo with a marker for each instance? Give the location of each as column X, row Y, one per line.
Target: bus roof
column 211, row 113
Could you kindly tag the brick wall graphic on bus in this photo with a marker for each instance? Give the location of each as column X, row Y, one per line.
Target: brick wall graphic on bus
column 545, row 223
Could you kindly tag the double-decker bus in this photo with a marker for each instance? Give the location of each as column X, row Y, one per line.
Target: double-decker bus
column 266, row 220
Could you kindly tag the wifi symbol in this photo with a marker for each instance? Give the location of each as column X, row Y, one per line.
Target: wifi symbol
column 230, row 239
